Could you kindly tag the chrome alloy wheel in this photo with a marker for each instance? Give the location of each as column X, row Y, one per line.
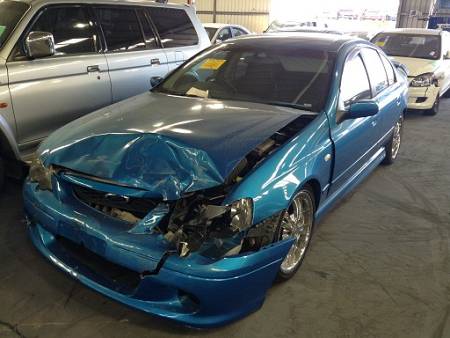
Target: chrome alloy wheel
column 297, row 222
column 397, row 138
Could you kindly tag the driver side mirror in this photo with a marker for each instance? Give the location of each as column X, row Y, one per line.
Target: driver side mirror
column 39, row 45
column 219, row 41
column 363, row 108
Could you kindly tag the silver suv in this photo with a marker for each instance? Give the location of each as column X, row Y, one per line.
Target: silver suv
column 62, row 59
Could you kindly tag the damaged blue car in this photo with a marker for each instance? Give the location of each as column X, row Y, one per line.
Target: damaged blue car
column 188, row 201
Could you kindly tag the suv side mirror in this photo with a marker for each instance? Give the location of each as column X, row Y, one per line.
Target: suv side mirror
column 39, row 45
column 363, row 108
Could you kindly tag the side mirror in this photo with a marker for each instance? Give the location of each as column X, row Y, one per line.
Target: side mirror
column 39, row 45
column 218, row 41
column 155, row 80
column 363, row 108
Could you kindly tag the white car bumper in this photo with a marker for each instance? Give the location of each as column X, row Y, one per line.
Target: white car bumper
column 422, row 97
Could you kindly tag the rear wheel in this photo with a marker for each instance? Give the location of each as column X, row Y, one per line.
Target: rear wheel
column 393, row 146
column 435, row 109
column 297, row 222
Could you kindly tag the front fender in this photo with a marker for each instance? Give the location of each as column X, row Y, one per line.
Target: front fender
column 274, row 183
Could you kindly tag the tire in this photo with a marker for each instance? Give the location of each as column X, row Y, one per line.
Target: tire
column 435, row 109
column 2, row 173
column 393, row 146
column 297, row 224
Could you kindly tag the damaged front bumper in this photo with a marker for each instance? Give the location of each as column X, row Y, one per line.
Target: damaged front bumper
column 139, row 270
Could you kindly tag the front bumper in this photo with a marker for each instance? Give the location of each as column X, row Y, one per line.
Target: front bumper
column 195, row 291
column 422, row 97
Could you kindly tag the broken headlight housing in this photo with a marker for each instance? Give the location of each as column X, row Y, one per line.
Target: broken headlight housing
column 424, row 80
column 241, row 213
column 40, row 174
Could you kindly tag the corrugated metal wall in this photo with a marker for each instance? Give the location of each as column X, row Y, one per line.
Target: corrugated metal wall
column 414, row 13
column 253, row 14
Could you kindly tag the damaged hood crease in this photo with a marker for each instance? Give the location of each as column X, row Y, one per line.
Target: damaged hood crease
column 165, row 145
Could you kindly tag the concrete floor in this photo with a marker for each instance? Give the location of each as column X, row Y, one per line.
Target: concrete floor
column 379, row 265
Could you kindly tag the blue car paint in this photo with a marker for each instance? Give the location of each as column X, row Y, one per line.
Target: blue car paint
column 200, row 139
column 228, row 288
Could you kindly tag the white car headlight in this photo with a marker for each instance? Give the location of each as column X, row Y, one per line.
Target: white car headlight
column 241, row 213
column 424, row 80
column 40, row 174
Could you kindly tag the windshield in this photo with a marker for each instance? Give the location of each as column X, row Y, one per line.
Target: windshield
column 10, row 14
column 409, row 45
column 211, row 31
column 287, row 76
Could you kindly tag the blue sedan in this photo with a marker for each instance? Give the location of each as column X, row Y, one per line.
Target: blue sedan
column 188, row 201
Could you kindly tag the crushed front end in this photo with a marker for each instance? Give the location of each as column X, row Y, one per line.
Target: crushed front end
column 195, row 259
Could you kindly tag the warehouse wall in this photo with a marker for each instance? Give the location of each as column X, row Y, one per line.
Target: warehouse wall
column 253, row 14
column 414, row 13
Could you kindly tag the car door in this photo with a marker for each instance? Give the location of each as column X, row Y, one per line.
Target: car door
column 390, row 101
column 384, row 93
column 49, row 92
column 177, row 33
column 132, row 50
column 354, row 139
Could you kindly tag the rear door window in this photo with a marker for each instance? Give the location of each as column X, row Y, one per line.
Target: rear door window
column 224, row 34
column 71, row 27
column 375, row 68
column 150, row 38
column 237, row 31
column 174, row 27
column 389, row 70
column 121, row 29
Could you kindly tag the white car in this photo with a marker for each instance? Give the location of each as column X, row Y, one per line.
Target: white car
column 219, row 32
column 426, row 54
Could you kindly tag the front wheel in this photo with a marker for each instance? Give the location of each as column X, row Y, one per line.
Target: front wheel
column 297, row 222
column 393, row 146
column 435, row 109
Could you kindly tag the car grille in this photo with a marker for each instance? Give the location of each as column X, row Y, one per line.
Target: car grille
column 115, row 205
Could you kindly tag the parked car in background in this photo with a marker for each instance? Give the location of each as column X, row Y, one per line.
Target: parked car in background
column 426, row 54
column 366, row 35
column 201, row 192
column 295, row 26
column 219, row 32
column 60, row 60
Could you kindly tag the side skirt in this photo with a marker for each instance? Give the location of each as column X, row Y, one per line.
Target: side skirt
column 355, row 180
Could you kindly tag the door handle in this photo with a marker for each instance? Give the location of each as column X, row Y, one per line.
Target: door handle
column 155, row 62
column 93, row 69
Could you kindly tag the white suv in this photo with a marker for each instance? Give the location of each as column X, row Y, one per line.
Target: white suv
column 426, row 54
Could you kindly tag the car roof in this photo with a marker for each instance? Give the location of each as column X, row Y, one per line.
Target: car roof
column 315, row 41
column 422, row 31
column 109, row 2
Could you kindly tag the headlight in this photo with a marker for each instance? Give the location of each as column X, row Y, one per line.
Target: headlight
column 241, row 213
column 40, row 174
column 424, row 80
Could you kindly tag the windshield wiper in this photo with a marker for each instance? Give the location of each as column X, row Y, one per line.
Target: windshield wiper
column 287, row 104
